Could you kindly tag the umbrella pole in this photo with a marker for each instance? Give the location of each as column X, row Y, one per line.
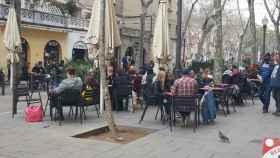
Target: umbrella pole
column 13, row 81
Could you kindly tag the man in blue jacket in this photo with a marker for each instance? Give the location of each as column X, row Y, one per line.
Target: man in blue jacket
column 265, row 73
column 275, row 84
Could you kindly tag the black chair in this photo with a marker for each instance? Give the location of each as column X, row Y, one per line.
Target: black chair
column 120, row 92
column 22, row 94
column 68, row 98
column 186, row 104
column 35, row 93
column 149, row 100
column 91, row 98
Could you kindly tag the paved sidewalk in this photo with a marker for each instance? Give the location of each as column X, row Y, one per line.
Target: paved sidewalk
column 245, row 128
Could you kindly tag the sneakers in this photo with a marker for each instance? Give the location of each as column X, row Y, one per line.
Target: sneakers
column 265, row 111
column 276, row 113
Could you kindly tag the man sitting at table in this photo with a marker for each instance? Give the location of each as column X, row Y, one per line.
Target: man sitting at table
column 185, row 86
column 71, row 82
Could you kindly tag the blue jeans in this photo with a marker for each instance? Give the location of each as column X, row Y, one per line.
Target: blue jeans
column 265, row 92
column 209, row 107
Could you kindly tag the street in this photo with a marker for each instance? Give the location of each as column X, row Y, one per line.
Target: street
column 246, row 128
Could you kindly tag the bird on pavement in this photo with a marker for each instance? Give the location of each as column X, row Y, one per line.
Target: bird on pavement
column 223, row 138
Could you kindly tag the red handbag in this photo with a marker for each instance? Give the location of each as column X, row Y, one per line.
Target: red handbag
column 34, row 113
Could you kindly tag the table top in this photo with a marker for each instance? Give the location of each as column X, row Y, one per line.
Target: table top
column 206, row 88
column 168, row 93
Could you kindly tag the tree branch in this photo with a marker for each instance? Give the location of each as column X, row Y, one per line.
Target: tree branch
column 269, row 12
column 240, row 16
column 149, row 3
column 189, row 17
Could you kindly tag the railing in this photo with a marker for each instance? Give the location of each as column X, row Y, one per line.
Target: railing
column 47, row 19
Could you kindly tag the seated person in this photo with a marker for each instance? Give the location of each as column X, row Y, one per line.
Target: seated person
column 71, row 82
column 185, row 86
column 38, row 68
column 38, row 74
column 206, row 79
column 227, row 77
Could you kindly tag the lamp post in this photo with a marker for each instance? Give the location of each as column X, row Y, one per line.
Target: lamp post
column 179, row 38
column 264, row 22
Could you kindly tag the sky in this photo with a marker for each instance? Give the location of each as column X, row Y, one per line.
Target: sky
column 260, row 10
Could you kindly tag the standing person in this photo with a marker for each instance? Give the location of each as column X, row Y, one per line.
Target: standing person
column 265, row 74
column 275, row 84
column 125, row 63
column 185, row 86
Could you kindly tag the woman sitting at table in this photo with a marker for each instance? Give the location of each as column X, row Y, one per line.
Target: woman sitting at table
column 71, row 82
column 159, row 86
column 205, row 79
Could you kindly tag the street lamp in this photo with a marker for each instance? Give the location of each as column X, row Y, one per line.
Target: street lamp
column 264, row 22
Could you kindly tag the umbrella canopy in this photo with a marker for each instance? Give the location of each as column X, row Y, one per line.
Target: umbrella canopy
column 94, row 29
column 160, row 46
column 112, row 34
column 12, row 40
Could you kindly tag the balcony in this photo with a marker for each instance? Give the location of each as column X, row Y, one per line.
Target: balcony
column 46, row 19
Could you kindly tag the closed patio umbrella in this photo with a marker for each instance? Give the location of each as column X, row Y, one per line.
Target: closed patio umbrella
column 12, row 40
column 160, row 45
column 112, row 36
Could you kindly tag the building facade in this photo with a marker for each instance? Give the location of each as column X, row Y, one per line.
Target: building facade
column 46, row 33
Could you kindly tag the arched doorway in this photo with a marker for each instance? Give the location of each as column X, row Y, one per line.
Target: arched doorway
column 24, row 59
column 52, row 52
column 80, row 50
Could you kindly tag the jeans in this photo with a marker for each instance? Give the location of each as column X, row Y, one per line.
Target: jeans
column 265, row 93
column 276, row 96
column 209, row 107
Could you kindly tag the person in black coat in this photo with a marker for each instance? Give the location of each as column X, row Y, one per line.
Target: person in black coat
column 121, row 90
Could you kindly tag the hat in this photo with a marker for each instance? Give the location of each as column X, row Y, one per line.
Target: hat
column 186, row 71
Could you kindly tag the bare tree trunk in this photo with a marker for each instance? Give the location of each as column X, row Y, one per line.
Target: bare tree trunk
column 277, row 33
column 218, row 60
column 251, row 6
column 207, row 27
column 241, row 39
column 203, row 37
column 142, row 35
column 187, row 22
column 145, row 5
column 275, row 19
column 107, row 101
column 109, row 118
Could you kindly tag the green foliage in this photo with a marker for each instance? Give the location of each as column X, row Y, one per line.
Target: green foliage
column 82, row 66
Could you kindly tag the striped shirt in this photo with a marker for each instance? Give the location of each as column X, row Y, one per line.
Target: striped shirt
column 184, row 86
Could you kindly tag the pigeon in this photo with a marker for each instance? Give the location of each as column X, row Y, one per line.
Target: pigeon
column 223, row 138
column 46, row 126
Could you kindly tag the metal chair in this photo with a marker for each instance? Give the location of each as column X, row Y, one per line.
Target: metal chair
column 90, row 98
column 186, row 104
column 69, row 98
